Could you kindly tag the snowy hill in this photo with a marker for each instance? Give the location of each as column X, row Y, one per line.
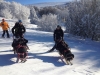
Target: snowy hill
column 86, row 61
column 48, row 4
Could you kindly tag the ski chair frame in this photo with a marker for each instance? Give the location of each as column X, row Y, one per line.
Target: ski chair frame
column 15, row 49
column 66, row 57
column 14, row 46
column 66, row 53
column 22, row 56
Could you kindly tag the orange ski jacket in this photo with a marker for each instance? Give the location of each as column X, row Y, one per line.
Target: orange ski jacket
column 4, row 25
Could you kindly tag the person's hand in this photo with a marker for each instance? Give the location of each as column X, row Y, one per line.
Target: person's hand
column 62, row 38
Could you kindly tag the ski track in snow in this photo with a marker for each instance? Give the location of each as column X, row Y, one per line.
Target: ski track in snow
column 86, row 61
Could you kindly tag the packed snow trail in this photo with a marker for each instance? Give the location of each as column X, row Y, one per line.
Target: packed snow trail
column 86, row 61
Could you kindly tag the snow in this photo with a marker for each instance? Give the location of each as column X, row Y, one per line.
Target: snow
column 86, row 61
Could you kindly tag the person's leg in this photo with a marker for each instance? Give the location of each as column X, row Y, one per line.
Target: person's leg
column 3, row 33
column 7, row 33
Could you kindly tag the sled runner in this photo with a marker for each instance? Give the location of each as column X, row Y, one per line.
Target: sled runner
column 64, row 51
column 20, row 48
column 22, row 54
column 21, row 41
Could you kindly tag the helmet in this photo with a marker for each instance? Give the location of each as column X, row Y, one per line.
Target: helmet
column 20, row 21
column 58, row 26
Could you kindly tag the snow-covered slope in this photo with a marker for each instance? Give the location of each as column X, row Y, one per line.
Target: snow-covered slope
column 86, row 61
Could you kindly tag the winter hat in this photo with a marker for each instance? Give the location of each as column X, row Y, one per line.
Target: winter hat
column 3, row 19
column 58, row 26
column 20, row 21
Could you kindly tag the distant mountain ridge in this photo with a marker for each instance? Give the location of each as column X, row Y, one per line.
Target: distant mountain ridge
column 48, row 4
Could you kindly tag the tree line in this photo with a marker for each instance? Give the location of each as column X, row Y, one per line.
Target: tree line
column 81, row 18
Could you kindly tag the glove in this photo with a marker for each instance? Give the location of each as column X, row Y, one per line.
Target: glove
column 61, row 38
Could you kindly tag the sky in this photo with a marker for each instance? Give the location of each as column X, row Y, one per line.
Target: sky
column 25, row 2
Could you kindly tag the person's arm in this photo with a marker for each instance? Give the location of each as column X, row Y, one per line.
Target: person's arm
column 16, row 24
column 24, row 30
column 0, row 24
column 13, row 29
column 26, row 41
column 62, row 33
column 54, row 35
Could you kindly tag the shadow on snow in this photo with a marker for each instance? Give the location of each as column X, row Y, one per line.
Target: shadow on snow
column 48, row 59
column 5, row 59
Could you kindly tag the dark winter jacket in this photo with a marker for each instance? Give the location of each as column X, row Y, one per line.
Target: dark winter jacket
column 15, row 43
column 17, row 29
column 58, row 33
column 21, row 41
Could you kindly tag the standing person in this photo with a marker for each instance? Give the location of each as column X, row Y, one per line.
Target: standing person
column 5, row 27
column 58, row 34
column 18, row 30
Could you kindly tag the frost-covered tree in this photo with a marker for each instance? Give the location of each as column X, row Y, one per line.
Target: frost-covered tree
column 33, row 15
column 5, row 9
column 48, row 22
column 19, row 11
column 47, row 10
column 62, row 14
column 81, row 17
column 84, row 18
column 14, row 10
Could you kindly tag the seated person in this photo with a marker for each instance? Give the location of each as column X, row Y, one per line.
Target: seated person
column 64, row 50
column 61, row 46
column 22, row 53
column 19, row 41
column 22, row 41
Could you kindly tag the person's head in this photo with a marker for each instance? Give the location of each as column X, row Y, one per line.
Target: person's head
column 58, row 27
column 3, row 20
column 20, row 21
